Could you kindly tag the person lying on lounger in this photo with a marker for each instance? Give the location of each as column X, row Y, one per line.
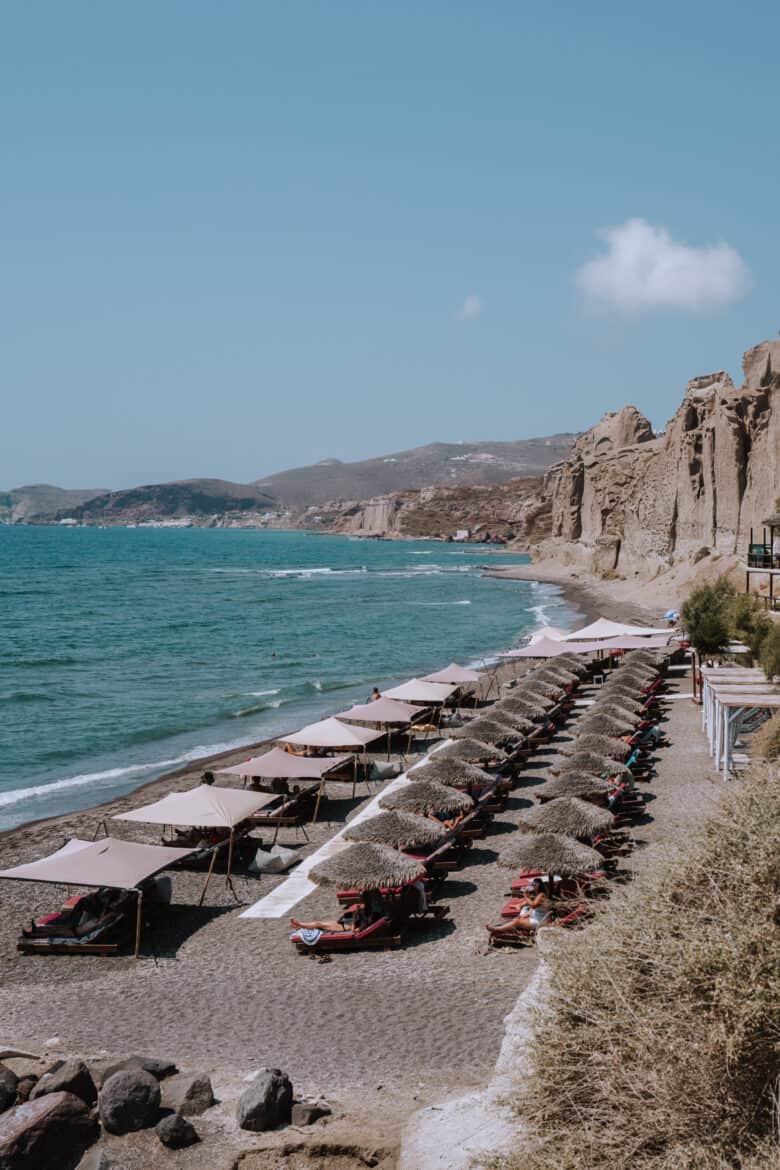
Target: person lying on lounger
column 355, row 919
column 534, row 911
column 447, row 822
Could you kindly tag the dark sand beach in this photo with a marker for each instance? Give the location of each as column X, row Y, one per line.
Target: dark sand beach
column 379, row 1034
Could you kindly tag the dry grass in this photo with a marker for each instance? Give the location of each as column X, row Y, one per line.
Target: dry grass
column 766, row 741
column 659, row 1045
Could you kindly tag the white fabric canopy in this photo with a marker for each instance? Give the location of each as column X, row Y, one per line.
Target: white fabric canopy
column 119, row 865
column 205, row 807
column 604, row 628
column 453, row 674
column 550, row 648
column 381, row 710
column 333, row 734
column 281, row 765
column 547, row 632
column 418, row 690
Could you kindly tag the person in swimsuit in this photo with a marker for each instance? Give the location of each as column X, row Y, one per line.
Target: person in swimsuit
column 534, row 911
column 356, row 918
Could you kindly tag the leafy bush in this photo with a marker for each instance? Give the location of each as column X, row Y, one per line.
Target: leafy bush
column 749, row 621
column 659, row 1045
column 705, row 616
column 770, row 652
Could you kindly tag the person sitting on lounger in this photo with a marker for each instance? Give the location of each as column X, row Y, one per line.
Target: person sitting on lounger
column 355, row 919
column 534, row 911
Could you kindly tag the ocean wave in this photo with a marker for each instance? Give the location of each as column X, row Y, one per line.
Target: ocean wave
column 260, row 694
column 437, row 604
column 17, row 795
column 256, row 709
column 26, row 697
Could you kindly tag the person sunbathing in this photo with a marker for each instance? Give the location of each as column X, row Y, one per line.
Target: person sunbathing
column 355, row 919
column 535, row 908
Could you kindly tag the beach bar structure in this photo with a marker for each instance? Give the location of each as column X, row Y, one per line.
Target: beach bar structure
column 729, row 697
column 106, row 864
column 763, row 557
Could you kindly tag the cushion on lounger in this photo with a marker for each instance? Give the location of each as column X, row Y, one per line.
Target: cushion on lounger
column 276, row 860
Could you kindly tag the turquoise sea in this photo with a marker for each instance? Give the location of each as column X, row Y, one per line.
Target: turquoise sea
column 126, row 652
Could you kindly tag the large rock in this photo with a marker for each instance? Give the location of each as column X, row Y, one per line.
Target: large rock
column 176, row 1132
column 9, row 1082
column 188, row 1094
column 53, row 1131
column 705, row 481
column 70, row 1076
column 307, row 1112
column 267, row 1102
column 129, row 1100
column 160, row 1069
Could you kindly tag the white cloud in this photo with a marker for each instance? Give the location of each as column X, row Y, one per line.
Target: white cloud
column 644, row 268
column 470, row 309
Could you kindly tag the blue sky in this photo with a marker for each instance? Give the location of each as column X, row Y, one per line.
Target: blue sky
column 240, row 237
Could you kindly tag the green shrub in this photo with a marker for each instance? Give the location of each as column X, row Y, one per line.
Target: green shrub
column 749, row 621
column 770, row 652
column 705, row 616
column 659, row 1044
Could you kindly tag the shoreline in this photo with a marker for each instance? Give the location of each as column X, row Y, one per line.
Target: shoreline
column 574, row 597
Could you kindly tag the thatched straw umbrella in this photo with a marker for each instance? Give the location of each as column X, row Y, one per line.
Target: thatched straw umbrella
column 556, row 674
column 531, row 694
column 567, row 814
column 595, row 764
column 451, row 771
column 603, row 745
column 622, row 697
column 549, row 688
column 506, row 710
column 625, row 676
column 367, row 867
column 607, row 724
column 489, row 729
column 520, row 706
column 550, row 853
column 574, row 784
column 398, row 830
column 426, row 797
column 474, row 751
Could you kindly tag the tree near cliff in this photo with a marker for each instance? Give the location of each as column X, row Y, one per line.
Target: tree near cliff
column 770, row 652
column 705, row 616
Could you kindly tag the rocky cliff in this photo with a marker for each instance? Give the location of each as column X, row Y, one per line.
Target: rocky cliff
column 518, row 511
column 626, row 502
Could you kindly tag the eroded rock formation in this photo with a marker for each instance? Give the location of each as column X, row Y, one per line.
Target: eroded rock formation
column 625, row 501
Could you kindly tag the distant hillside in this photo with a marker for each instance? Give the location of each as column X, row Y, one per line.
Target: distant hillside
column 42, row 499
column 437, row 464
column 197, row 498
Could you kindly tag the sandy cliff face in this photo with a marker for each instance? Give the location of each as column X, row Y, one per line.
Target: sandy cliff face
column 627, row 502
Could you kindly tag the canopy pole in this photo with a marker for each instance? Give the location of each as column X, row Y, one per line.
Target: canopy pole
column 320, row 792
column 208, row 876
column 230, row 856
column 354, row 776
column 138, row 924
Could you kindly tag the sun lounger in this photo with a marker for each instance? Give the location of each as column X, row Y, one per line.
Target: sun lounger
column 570, row 917
column 81, row 927
column 383, row 934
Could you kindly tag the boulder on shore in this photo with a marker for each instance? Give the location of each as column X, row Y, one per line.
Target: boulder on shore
column 188, row 1094
column 70, row 1076
column 160, row 1069
column 53, row 1130
column 129, row 1101
column 176, row 1132
column 9, row 1082
column 267, row 1102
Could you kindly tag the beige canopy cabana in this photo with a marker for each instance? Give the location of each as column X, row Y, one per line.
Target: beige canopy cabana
column 383, row 710
column 604, row 628
column 550, row 648
column 332, row 735
column 204, row 807
column 277, row 764
column 419, row 690
column 549, row 633
column 459, row 675
column 110, row 863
